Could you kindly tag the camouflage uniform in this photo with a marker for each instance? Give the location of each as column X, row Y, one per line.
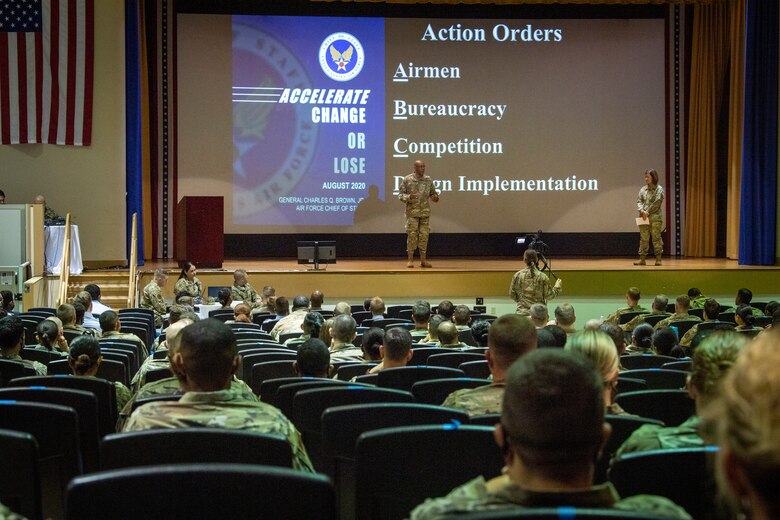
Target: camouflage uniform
column 477, row 401
column 220, row 409
column 139, row 379
column 676, row 317
column 113, row 334
column 615, row 316
column 290, row 323
column 474, row 496
column 152, row 298
column 698, row 302
column 654, row 437
column 530, row 286
column 635, row 322
column 687, row 338
column 194, row 288
column 651, row 201
column 40, row 368
column 245, row 293
column 346, row 352
column 418, row 212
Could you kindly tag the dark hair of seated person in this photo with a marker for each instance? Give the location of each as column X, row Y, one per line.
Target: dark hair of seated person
column 46, row 332
column 558, row 333
column 313, row 359
column 545, row 338
column 664, row 340
column 479, row 331
column 84, row 355
column 372, row 340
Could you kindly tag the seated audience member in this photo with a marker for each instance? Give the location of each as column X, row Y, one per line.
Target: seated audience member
column 421, row 315
column 242, row 290
column 681, row 306
column 632, row 305
column 377, row 308
column 744, row 421
column 85, row 299
column 111, row 326
column 265, row 306
column 665, row 343
column 367, row 304
column 711, row 362
column 12, row 342
column 593, row 324
column 342, row 308
column 617, row 335
column 396, row 349
column 152, row 298
column 84, row 359
column 550, row 395
column 171, row 337
column 292, row 321
column 433, row 329
column 343, row 331
column 225, row 299
column 711, row 312
column 600, row 349
column 446, row 309
column 545, row 339
column 510, row 337
column 771, row 307
column 67, row 315
column 461, row 317
column 81, row 312
column 310, row 328
column 98, row 307
column 313, row 359
column 641, row 340
column 242, row 313
column 743, row 315
column 281, row 307
column 204, row 363
column 559, row 334
column 658, row 307
column 325, row 332
column 448, row 335
column 8, row 302
column 539, row 315
column 49, row 336
column 744, row 297
column 479, row 331
column 697, row 298
column 565, row 318
column 316, row 299
column 371, row 344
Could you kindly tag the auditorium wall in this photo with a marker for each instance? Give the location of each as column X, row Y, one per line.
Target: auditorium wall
column 88, row 182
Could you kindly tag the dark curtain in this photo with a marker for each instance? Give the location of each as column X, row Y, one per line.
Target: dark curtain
column 133, row 125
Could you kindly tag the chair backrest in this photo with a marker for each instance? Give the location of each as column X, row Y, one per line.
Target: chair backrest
column 453, row 359
column 622, row 428
column 441, row 457
column 683, row 326
column 685, row 476
column 20, row 481
column 270, row 370
column 638, row 361
column 629, row 384
column 465, row 336
column 435, row 391
column 222, row 314
column 348, row 371
column 136, row 310
column 259, row 318
column 212, row 489
column 58, row 367
column 699, row 312
column 46, row 311
column 30, row 323
column 156, row 374
column 369, row 379
column 268, row 325
column 139, row 331
column 652, row 319
column 285, row 394
column 120, row 344
column 250, row 360
column 160, row 354
column 85, row 404
column 560, row 513
column 103, row 390
column 39, row 355
column 728, row 316
column 126, row 356
column 289, row 335
column 402, row 378
column 628, row 316
column 706, row 325
column 268, row 388
column 113, row 370
column 243, row 345
column 673, row 407
column 659, row 378
column 71, row 335
column 488, row 419
column 393, row 311
column 751, row 333
column 11, row 369
column 191, row 445
column 420, row 355
column 680, row 364
column 361, row 316
column 389, row 323
column 476, row 369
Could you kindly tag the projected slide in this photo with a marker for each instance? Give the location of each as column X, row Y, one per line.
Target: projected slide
column 523, row 124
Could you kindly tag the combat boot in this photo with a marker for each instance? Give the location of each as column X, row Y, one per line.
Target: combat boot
column 410, row 261
column 423, row 260
column 657, row 259
column 641, row 261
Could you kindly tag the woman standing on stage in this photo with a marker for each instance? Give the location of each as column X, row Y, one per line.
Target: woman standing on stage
column 650, row 203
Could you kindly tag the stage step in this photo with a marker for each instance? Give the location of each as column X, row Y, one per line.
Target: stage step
column 113, row 286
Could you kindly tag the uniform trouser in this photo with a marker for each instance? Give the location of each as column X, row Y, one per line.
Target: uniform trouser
column 654, row 231
column 417, row 231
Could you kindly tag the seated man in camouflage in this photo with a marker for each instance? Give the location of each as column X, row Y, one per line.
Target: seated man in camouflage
column 551, row 431
column 204, row 363
column 112, row 329
column 242, row 290
column 421, row 315
column 632, row 305
column 152, row 298
column 711, row 312
column 396, row 349
column 658, row 307
column 448, row 336
column 462, row 317
column 539, row 315
column 744, row 297
column 681, row 306
column 313, row 359
column 149, row 364
column 711, row 361
column 343, row 330
column 509, row 337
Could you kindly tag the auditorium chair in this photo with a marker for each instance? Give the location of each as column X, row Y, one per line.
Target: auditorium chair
column 268, row 388
column 11, row 369
column 270, row 370
column 628, row 316
column 435, row 391
column 622, row 428
column 653, row 319
column 402, row 378
column 207, row 490
column 673, row 407
column 420, row 355
column 41, row 356
column 20, row 479
column 347, row 372
column 559, row 513
column 639, row 361
column 488, row 419
column 629, row 384
column 285, row 394
column 680, row 364
column 453, row 359
column 250, row 360
column 476, row 369
column 659, row 378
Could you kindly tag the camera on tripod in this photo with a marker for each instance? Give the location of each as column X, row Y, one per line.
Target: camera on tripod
column 534, row 241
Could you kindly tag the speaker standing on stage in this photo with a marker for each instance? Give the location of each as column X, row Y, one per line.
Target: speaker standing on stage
column 649, row 203
column 530, row 285
column 416, row 190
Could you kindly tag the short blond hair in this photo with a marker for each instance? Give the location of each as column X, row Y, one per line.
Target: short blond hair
column 599, row 348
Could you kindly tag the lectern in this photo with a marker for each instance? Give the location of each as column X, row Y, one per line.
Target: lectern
column 200, row 231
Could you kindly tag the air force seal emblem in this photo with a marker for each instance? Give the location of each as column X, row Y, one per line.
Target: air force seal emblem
column 341, row 56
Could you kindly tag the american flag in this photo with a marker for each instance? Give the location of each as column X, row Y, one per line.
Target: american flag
column 46, row 71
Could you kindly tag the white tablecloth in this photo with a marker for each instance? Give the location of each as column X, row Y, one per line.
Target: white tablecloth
column 53, row 242
column 204, row 309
